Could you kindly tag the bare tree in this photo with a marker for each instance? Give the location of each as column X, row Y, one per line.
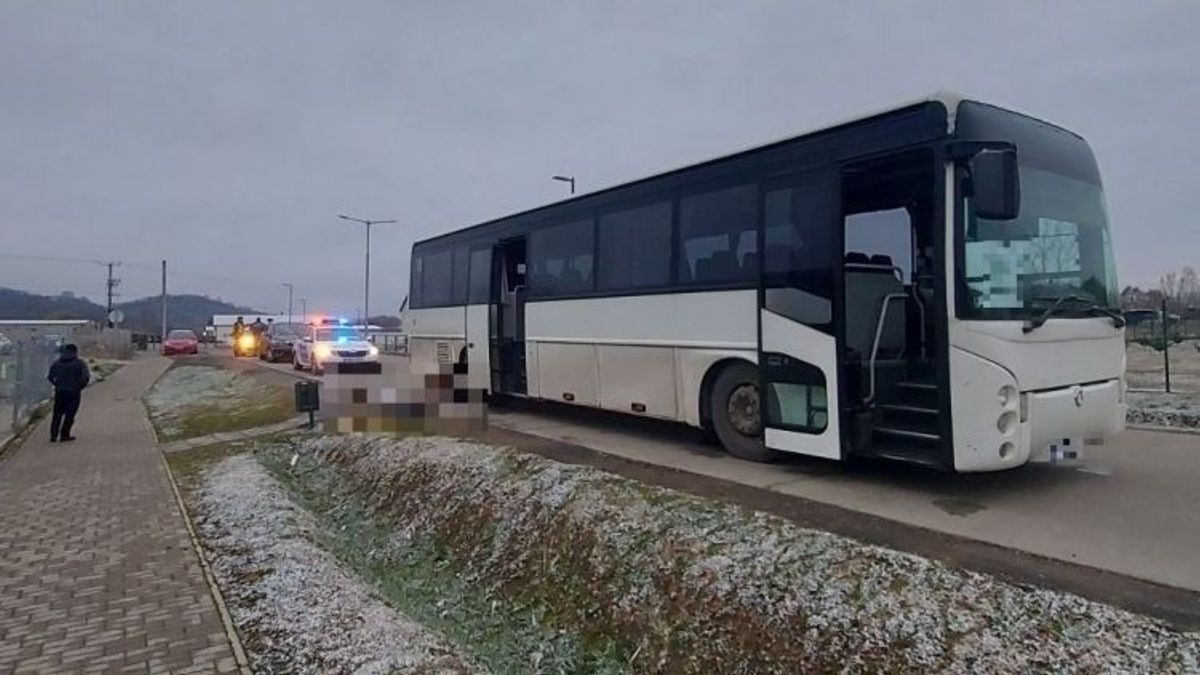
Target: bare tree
column 1189, row 287
column 1169, row 285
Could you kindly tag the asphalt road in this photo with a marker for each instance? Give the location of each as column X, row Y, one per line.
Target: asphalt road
column 1132, row 507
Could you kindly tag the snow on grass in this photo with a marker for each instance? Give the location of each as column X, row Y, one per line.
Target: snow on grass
column 694, row 585
column 1177, row 410
column 191, row 401
column 296, row 609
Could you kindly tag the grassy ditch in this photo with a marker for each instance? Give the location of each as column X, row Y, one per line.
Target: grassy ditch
column 190, row 401
column 102, row 369
column 423, row 579
column 658, row 581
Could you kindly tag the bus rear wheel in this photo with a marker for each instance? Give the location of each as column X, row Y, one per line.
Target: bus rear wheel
column 734, row 408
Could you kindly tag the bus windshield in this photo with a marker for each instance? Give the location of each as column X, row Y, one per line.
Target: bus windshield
column 338, row 334
column 1059, row 246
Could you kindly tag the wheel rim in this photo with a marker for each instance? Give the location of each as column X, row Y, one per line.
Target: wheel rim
column 742, row 409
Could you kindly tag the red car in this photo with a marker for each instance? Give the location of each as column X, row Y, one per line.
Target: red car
column 180, row 342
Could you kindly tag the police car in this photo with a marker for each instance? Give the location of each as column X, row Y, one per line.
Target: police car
column 332, row 341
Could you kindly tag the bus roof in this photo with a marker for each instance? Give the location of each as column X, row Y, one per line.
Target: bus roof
column 948, row 99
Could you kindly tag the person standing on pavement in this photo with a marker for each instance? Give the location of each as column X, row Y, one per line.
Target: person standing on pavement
column 69, row 375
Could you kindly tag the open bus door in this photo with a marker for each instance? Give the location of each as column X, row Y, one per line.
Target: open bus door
column 799, row 308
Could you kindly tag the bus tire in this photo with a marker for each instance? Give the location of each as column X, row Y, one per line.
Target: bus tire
column 734, row 408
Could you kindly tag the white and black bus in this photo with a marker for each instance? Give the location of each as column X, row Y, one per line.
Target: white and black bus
column 933, row 284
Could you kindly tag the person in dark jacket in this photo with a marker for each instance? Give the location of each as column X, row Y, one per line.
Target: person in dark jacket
column 69, row 375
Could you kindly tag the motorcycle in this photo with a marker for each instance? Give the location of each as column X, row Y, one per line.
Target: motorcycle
column 245, row 344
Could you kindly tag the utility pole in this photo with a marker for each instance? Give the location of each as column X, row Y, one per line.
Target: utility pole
column 164, row 300
column 303, row 310
column 289, row 287
column 367, row 284
column 110, row 285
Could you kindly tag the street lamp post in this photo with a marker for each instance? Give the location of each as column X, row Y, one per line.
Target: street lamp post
column 289, row 287
column 367, row 281
column 303, row 310
column 566, row 179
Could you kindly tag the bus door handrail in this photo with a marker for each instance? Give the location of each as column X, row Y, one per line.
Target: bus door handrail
column 916, row 291
column 916, row 295
column 883, row 308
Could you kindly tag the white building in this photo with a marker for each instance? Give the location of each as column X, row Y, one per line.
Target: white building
column 59, row 329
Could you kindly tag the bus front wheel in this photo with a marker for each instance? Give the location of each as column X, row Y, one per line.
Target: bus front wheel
column 734, row 406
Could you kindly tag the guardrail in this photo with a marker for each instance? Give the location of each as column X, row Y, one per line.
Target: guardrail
column 391, row 343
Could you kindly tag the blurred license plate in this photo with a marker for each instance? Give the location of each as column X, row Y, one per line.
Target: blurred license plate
column 1066, row 451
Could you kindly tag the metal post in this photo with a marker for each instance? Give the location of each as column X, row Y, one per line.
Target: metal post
column 367, row 283
column 17, row 388
column 164, row 301
column 289, row 287
column 366, row 308
column 1166, row 347
column 303, row 310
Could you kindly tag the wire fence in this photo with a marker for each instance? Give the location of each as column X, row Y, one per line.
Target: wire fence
column 1163, row 354
column 23, row 386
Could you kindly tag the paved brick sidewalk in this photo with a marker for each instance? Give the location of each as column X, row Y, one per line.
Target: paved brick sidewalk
column 97, row 573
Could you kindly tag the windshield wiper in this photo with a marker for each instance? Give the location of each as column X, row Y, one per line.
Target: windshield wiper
column 1092, row 306
column 1118, row 319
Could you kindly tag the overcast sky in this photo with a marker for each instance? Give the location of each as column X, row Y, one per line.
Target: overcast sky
column 226, row 136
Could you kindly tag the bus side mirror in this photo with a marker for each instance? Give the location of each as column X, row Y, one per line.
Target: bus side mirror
column 996, row 184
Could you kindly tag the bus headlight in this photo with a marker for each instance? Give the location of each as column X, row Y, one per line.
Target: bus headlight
column 1007, row 423
column 1008, row 397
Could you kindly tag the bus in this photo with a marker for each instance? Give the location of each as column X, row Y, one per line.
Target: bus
column 932, row 284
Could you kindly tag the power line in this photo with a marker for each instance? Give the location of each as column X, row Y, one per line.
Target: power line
column 255, row 287
column 49, row 258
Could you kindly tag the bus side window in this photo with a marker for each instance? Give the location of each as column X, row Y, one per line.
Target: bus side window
column 717, row 238
column 562, row 259
column 437, row 279
column 479, row 286
column 635, row 248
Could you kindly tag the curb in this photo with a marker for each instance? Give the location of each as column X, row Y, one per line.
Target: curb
column 1163, row 430
column 235, row 642
column 214, row 591
column 184, row 444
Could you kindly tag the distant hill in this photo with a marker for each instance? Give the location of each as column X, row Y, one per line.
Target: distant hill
column 142, row 315
column 183, row 311
column 385, row 321
column 16, row 304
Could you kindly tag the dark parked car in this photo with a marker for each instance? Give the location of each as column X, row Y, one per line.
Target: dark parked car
column 279, row 340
